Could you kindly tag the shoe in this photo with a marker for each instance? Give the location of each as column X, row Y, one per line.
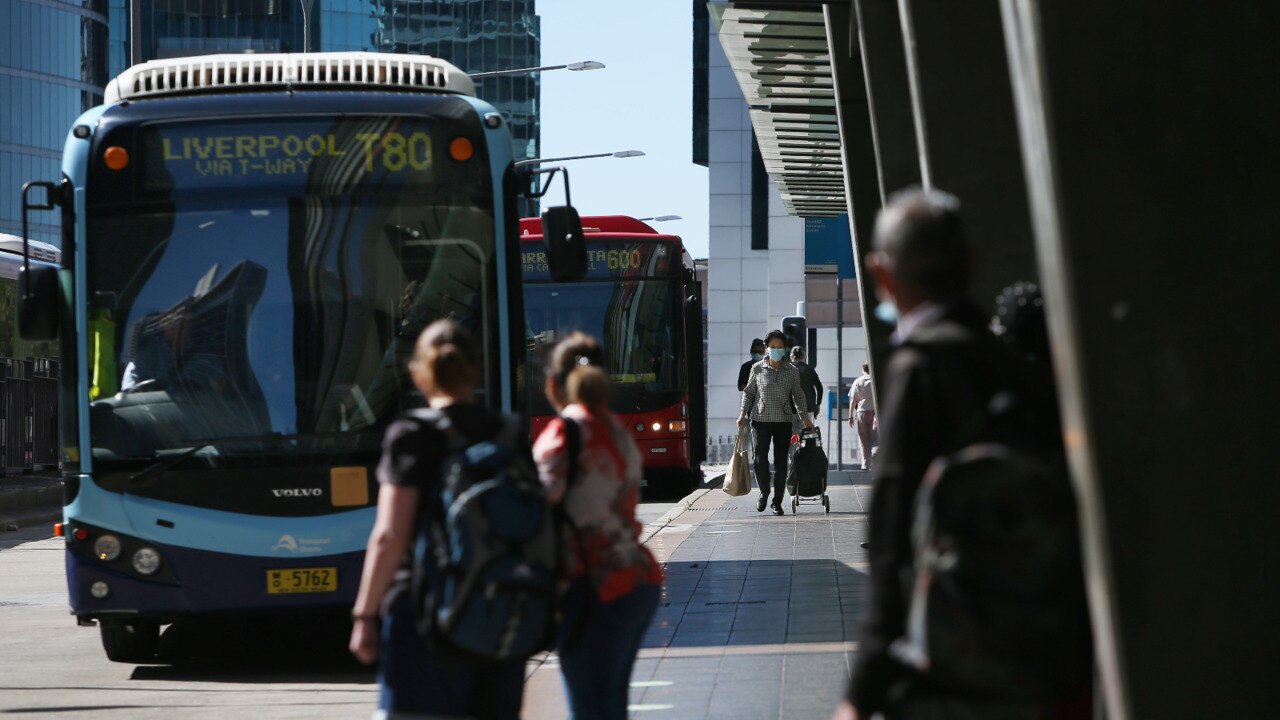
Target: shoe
column 764, row 499
column 865, row 545
column 777, row 510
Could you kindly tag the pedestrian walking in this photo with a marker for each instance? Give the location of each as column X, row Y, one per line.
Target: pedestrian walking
column 413, row 681
column 863, row 418
column 809, row 383
column 772, row 392
column 612, row 580
column 945, row 369
column 757, row 354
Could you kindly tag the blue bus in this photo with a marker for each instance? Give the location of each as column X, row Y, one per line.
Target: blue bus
column 251, row 246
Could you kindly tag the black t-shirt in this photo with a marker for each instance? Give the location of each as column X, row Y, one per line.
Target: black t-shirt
column 413, row 449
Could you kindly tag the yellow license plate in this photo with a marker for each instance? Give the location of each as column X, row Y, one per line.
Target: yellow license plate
column 302, row 580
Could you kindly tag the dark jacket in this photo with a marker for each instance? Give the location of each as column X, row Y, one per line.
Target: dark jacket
column 744, row 374
column 949, row 367
column 811, row 385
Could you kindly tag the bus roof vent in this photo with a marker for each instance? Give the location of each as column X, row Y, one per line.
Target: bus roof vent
column 37, row 250
column 278, row 71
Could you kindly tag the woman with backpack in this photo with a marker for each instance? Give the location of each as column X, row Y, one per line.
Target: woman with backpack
column 590, row 466
column 413, row 680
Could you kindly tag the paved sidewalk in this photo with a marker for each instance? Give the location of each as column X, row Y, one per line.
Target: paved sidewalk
column 758, row 614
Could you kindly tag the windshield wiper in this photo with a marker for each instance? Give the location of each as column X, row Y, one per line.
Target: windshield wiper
column 139, row 479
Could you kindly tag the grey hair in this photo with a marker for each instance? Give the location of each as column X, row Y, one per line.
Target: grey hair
column 797, row 354
column 921, row 237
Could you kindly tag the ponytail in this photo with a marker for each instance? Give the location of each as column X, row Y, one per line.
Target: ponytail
column 588, row 385
column 577, row 368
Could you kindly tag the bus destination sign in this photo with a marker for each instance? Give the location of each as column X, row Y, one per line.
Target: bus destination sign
column 273, row 153
column 605, row 260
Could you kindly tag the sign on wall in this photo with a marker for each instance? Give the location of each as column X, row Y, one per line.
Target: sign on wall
column 828, row 246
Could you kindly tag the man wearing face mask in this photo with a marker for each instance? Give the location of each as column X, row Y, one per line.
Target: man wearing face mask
column 744, row 372
column 945, row 367
column 773, row 389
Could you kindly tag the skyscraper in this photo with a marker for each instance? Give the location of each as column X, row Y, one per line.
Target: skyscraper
column 56, row 57
column 477, row 36
column 178, row 28
column 53, row 66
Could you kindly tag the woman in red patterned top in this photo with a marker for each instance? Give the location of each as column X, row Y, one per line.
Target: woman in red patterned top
column 613, row 580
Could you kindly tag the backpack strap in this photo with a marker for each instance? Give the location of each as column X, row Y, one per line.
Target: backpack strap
column 432, row 508
column 573, row 447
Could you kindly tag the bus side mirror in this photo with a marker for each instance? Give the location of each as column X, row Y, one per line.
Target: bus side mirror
column 566, row 244
column 38, row 298
column 38, row 302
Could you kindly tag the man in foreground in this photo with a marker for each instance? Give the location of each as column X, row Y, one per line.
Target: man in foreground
column 941, row 377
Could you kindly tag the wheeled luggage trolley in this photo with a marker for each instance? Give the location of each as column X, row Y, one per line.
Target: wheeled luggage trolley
column 807, row 475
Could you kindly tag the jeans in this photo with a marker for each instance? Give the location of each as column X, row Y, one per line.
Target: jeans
column 778, row 433
column 596, row 657
column 413, row 683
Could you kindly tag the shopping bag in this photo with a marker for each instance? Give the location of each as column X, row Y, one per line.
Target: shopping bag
column 737, row 481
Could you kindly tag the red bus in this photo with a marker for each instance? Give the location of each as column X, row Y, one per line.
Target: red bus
column 641, row 300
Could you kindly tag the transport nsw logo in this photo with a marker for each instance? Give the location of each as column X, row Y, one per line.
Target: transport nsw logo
column 300, row 545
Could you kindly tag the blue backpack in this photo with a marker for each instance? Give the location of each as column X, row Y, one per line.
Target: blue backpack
column 485, row 565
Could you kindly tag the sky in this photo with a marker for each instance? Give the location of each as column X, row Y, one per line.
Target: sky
column 641, row 100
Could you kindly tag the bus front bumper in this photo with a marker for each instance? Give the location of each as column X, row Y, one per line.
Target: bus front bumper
column 200, row 582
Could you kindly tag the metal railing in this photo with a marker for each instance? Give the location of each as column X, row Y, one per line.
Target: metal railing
column 28, row 415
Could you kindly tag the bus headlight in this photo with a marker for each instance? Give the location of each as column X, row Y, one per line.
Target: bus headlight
column 639, row 427
column 107, row 548
column 657, row 426
column 677, row 426
column 99, row 590
column 146, row 561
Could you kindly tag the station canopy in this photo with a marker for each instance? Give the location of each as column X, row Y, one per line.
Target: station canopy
column 783, row 64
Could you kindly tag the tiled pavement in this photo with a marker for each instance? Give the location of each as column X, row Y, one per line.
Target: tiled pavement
column 757, row 616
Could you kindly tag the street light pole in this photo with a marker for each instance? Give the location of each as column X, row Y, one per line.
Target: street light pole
column 573, row 66
column 306, row 24
column 619, row 154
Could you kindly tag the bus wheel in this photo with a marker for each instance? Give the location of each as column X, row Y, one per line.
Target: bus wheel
column 128, row 642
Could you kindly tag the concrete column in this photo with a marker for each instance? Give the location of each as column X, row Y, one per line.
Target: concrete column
column 965, row 125
column 863, row 189
column 1151, row 147
column 878, row 30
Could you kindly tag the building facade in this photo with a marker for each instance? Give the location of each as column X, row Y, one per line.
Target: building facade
column 144, row 30
column 53, row 66
column 477, row 36
column 756, row 264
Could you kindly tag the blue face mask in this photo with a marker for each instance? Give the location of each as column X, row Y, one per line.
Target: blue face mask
column 776, row 354
column 757, row 356
column 887, row 312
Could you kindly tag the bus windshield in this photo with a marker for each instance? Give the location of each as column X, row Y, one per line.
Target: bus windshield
column 635, row 322
column 227, row 315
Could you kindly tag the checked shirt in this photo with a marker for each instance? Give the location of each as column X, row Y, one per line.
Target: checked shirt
column 771, row 392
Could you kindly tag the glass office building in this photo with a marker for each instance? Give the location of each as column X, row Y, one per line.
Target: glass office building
column 56, row 57
column 53, row 66
column 477, row 36
column 179, row 28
